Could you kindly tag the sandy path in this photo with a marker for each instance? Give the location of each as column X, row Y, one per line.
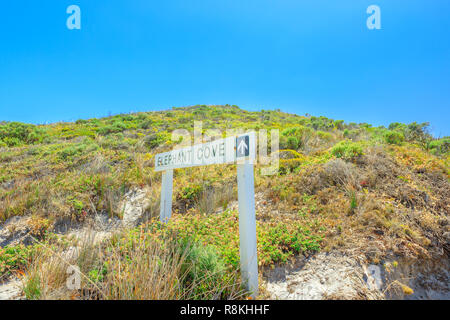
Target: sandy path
column 11, row 290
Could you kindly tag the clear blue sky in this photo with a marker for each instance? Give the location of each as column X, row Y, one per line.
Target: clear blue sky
column 313, row 56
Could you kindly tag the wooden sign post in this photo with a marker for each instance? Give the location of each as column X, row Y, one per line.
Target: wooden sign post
column 240, row 150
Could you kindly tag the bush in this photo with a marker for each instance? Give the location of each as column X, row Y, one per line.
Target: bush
column 413, row 132
column 289, row 165
column 283, row 241
column 277, row 242
column 347, row 150
column 13, row 258
column 146, row 124
column 326, row 136
column 322, row 123
column 417, row 132
column 393, row 137
column 291, row 138
column 352, row 134
column 293, row 143
column 439, row 147
column 191, row 192
column 204, row 270
column 16, row 133
column 116, row 127
column 294, row 131
column 339, row 172
column 154, row 140
column 77, row 150
column 339, row 124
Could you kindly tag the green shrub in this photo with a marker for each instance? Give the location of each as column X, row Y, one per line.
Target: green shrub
column 293, row 143
column 439, row 147
column 78, row 149
column 351, row 134
column 294, row 131
column 154, row 140
column 417, row 132
column 191, row 192
column 204, row 269
column 291, row 138
column 96, row 275
column 14, row 258
column 413, row 132
column 113, row 141
column 339, row 124
column 277, row 242
column 116, row 127
column 15, row 134
column 347, row 150
column 282, row 241
column 289, row 165
column 393, row 137
column 325, row 135
column 146, row 124
column 322, row 123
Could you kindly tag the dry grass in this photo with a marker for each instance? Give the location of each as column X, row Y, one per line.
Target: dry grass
column 124, row 268
column 212, row 198
column 340, row 173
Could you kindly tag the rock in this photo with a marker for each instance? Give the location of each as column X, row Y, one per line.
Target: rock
column 134, row 207
column 373, row 277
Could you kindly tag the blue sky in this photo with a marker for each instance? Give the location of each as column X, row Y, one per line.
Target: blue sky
column 313, row 56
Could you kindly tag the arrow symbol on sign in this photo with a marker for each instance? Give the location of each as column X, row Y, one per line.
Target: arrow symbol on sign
column 242, row 147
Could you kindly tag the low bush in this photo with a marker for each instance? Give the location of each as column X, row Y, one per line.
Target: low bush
column 77, row 149
column 393, row 137
column 222, row 232
column 339, row 172
column 293, row 143
column 347, row 150
column 440, row 147
column 116, row 127
column 15, row 134
column 205, row 271
column 154, row 140
column 289, row 165
column 14, row 258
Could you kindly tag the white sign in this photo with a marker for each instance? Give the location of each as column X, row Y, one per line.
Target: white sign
column 229, row 150
column 241, row 150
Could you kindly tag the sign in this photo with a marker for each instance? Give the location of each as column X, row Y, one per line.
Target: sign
column 240, row 150
column 226, row 150
column 243, row 144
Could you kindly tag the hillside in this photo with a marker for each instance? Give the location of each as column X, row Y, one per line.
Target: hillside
column 374, row 198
